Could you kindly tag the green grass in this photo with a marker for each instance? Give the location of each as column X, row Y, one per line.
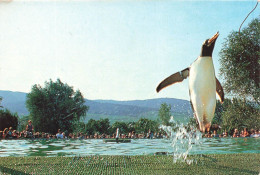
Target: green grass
column 206, row 164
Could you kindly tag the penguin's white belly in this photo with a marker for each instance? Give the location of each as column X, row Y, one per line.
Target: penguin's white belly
column 202, row 85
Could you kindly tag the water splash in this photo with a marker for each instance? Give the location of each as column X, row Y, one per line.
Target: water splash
column 183, row 139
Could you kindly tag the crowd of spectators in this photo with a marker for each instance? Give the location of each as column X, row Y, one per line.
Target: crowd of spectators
column 244, row 133
column 9, row 133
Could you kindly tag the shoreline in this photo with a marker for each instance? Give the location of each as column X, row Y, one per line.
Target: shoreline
column 121, row 138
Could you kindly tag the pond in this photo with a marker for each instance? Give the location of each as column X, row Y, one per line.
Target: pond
column 21, row 148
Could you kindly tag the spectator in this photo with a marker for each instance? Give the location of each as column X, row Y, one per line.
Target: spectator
column 59, row 135
column 236, row 133
column 150, row 134
column 29, row 129
column 5, row 133
column 43, row 135
column 22, row 134
column 47, row 135
column 80, row 136
column 10, row 132
column 242, row 134
column 225, row 134
column 246, row 133
column 133, row 135
column 15, row 134
column 254, row 133
column 215, row 134
column 70, row 136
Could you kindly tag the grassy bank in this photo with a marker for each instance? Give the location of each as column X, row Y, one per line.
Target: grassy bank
column 206, row 164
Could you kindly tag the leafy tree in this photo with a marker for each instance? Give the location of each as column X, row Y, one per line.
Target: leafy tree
column 22, row 122
column 240, row 63
column 131, row 126
column 123, row 127
column 220, row 108
column 240, row 114
column 7, row 119
column 55, row 106
column 91, row 127
column 103, row 126
column 192, row 123
column 165, row 114
column 143, row 125
column 1, row 101
column 78, row 127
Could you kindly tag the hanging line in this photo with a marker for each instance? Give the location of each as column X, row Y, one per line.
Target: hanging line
column 243, row 23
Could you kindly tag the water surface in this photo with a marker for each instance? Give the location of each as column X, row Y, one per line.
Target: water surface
column 21, row 148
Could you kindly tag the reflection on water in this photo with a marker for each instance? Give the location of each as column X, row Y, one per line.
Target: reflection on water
column 136, row 147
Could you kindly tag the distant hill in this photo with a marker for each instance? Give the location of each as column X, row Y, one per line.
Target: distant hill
column 14, row 101
column 178, row 105
column 114, row 110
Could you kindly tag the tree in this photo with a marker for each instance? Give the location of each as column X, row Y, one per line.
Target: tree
column 131, row 126
column 91, row 127
column 103, row 126
column 143, row 125
column 240, row 114
column 78, row 127
column 7, row 119
column 220, row 108
column 1, row 101
column 192, row 123
column 240, row 63
column 23, row 122
column 165, row 114
column 123, row 127
column 55, row 106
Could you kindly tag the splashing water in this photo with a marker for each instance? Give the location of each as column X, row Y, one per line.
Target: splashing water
column 183, row 139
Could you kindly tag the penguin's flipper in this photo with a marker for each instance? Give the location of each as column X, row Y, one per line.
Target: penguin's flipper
column 219, row 91
column 174, row 78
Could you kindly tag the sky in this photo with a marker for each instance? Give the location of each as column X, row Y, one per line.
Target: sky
column 115, row 49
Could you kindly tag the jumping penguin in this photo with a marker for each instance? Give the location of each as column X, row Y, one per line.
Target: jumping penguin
column 203, row 85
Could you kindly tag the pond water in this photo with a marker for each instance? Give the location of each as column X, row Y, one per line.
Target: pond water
column 21, row 148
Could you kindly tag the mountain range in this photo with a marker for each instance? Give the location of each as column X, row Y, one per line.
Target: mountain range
column 112, row 109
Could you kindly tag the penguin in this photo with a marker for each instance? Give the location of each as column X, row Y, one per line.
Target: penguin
column 203, row 85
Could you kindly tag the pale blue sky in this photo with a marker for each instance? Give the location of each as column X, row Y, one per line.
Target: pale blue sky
column 116, row 50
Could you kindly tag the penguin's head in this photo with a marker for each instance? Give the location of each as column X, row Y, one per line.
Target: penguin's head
column 208, row 46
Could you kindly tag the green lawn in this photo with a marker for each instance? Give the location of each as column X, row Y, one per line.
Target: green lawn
column 205, row 164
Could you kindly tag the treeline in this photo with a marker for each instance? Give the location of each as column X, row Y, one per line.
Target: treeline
column 8, row 119
column 103, row 126
column 237, row 114
column 52, row 107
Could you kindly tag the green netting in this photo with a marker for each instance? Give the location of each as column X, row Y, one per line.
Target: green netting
column 205, row 164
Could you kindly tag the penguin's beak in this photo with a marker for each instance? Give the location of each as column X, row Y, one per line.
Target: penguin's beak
column 213, row 39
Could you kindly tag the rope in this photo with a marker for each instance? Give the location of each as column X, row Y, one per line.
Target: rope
column 243, row 23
